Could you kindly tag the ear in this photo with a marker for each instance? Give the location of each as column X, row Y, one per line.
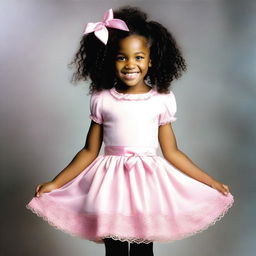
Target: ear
column 150, row 63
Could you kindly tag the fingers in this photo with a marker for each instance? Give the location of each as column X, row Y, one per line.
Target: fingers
column 38, row 187
column 226, row 189
column 37, row 194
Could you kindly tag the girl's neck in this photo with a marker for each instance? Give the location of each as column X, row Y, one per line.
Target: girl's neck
column 121, row 88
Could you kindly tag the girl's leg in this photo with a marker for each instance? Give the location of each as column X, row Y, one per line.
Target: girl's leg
column 141, row 249
column 115, row 247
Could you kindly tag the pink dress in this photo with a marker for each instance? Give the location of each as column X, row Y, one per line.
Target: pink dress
column 130, row 193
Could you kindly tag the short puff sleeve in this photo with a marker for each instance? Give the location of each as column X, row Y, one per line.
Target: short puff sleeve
column 96, row 108
column 169, row 108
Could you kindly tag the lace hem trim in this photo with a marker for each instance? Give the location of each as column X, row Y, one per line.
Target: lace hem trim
column 57, row 227
column 132, row 239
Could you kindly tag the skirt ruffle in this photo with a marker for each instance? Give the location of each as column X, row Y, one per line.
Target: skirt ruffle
column 136, row 198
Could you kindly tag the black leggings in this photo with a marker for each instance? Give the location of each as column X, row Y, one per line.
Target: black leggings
column 119, row 248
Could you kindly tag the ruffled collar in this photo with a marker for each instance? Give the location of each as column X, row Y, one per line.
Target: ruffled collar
column 131, row 96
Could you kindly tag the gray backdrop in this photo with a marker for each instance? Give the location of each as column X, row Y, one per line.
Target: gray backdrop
column 44, row 118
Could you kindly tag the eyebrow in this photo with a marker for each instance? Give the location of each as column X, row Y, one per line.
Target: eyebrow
column 134, row 53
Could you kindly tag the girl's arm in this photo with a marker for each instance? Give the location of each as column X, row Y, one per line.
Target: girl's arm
column 84, row 157
column 81, row 160
column 181, row 161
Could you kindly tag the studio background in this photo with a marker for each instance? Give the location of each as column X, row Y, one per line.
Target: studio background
column 44, row 118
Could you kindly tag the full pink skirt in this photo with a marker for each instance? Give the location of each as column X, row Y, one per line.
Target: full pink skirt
column 131, row 194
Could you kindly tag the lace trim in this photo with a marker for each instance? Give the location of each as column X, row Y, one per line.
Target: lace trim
column 132, row 239
column 170, row 120
column 129, row 96
column 95, row 119
column 57, row 227
column 162, row 240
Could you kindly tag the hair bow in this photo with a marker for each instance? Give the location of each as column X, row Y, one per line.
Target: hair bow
column 99, row 28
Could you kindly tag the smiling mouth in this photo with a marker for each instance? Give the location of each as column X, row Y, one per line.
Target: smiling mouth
column 130, row 75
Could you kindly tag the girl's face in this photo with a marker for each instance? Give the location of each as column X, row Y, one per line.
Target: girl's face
column 133, row 60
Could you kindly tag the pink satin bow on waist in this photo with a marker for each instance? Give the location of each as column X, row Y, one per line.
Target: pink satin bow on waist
column 99, row 28
column 131, row 161
column 131, row 153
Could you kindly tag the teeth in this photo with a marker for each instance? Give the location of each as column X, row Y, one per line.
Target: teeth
column 130, row 75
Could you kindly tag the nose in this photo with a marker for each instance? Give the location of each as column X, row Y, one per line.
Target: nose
column 129, row 64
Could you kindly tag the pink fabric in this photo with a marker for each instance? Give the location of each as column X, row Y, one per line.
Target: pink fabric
column 132, row 119
column 99, row 28
column 130, row 193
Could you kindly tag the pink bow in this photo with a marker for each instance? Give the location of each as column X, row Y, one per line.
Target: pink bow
column 133, row 158
column 131, row 161
column 99, row 28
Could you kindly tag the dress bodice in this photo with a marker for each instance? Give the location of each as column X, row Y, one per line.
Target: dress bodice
column 132, row 119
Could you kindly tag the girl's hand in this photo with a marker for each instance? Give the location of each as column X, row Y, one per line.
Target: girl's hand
column 45, row 187
column 224, row 189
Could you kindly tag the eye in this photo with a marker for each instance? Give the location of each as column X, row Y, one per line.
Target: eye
column 139, row 57
column 120, row 58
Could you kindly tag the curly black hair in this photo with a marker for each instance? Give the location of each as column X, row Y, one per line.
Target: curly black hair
column 95, row 60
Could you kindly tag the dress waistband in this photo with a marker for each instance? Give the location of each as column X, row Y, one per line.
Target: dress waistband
column 130, row 151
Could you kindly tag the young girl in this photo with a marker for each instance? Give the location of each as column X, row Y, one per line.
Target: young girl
column 130, row 195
